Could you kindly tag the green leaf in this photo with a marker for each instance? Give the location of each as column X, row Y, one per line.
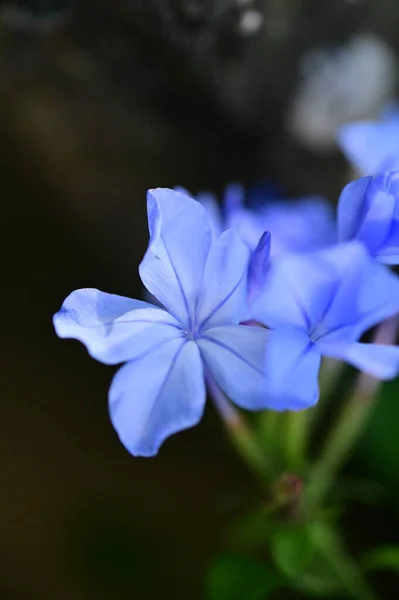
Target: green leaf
column 384, row 557
column 292, row 550
column 233, row 577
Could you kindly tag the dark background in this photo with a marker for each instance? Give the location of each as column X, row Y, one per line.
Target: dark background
column 100, row 100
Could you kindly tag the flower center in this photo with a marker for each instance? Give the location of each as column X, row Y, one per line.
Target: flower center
column 191, row 334
column 317, row 332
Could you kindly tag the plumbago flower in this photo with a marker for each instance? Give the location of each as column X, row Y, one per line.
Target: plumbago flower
column 299, row 225
column 170, row 352
column 319, row 304
column 372, row 146
column 368, row 210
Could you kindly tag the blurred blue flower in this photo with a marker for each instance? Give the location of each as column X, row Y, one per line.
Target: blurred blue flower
column 320, row 304
column 368, row 210
column 300, row 225
column 203, row 286
column 372, row 146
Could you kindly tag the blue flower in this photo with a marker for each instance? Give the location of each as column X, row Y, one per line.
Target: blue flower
column 169, row 352
column 300, row 225
column 318, row 305
column 368, row 210
column 372, row 146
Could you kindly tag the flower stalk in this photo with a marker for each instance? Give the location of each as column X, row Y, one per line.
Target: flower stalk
column 242, row 436
column 350, row 424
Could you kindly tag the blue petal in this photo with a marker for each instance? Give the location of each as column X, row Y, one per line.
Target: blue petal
column 299, row 225
column 157, row 395
column 173, row 265
column 371, row 146
column 235, row 356
column 223, row 298
column 259, row 265
column 367, row 292
column 365, row 211
column 233, row 199
column 298, row 289
column 388, row 254
column 213, row 212
column 292, row 367
column 376, row 359
column 351, row 208
column 113, row 328
column 377, row 224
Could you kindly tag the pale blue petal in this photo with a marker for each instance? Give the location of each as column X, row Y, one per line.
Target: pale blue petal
column 367, row 292
column 113, row 328
column 366, row 209
column 223, row 297
column 235, row 356
column 292, row 367
column 377, row 223
column 212, row 209
column 157, row 395
column 233, row 199
column 180, row 237
column 298, row 290
column 298, row 225
column 376, row 359
column 388, row 254
column 351, row 208
column 249, row 225
column 259, row 265
column 371, row 146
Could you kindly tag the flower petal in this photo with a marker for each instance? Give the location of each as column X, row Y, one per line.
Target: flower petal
column 233, row 200
column 371, row 146
column 299, row 287
column 350, row 210
column 157, row 395
column 389, row 253
column 366, row 294
column 259, row 265
column 223, row 297
column 180, row 237
column 376, row 359
column 365, row 211
column 300, row 225
column 292, row 367
column 234, row 354
column 214, row 214
column 113, row 328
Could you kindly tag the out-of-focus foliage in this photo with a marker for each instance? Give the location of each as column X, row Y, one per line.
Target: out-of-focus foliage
column 235, row 577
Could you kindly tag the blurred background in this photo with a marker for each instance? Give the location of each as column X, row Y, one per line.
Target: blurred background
column 99, row 101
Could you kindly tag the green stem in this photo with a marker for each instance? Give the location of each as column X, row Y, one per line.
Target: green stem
column 299, row 425
column 241, row 434
column 339, row 443
column 296, row 438
column 269, row 427
column 331, row 549
column 349, row 426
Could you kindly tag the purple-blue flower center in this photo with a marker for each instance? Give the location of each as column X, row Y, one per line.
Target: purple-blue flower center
column 192, row 334
column 317, row 332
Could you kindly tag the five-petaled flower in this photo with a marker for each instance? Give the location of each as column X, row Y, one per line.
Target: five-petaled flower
column 320, row 304
column 368, row 210
column 202, row 285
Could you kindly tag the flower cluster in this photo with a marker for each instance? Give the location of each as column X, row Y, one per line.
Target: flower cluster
column 238, row 314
